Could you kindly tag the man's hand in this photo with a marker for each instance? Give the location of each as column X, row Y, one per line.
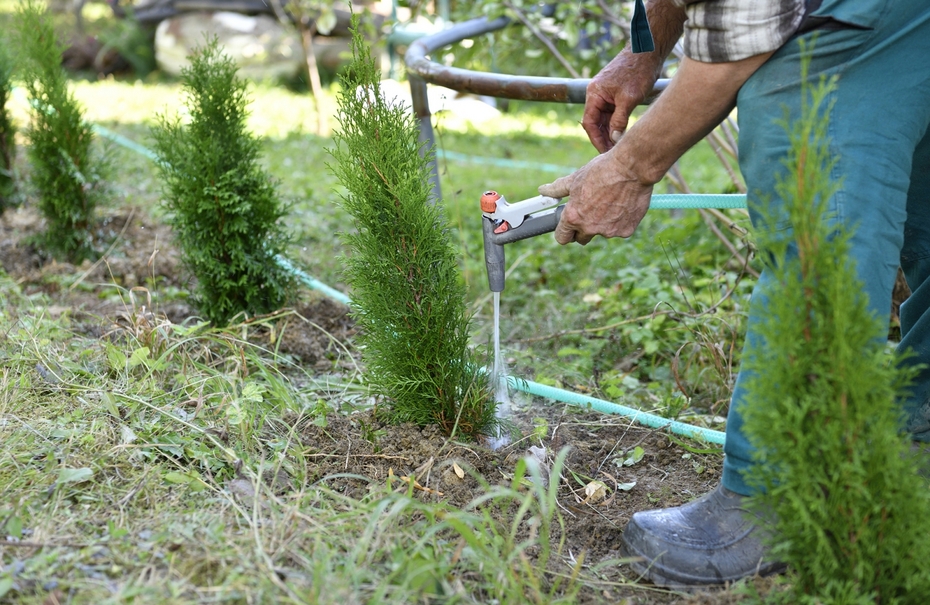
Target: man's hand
column 610, row 194
column 615, row 92
column 627, row 81
column 611, row 200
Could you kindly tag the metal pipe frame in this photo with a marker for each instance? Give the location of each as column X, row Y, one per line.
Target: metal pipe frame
column 421, row 70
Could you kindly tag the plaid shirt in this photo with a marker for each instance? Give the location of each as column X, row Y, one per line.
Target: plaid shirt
column 729, row 30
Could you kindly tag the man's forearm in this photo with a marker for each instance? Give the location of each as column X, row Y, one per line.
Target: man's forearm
column 699, row 97
column 666, row 22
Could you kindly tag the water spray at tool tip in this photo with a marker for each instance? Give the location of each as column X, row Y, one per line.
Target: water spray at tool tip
column 504, row 223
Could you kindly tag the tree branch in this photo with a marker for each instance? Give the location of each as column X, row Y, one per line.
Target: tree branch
column 545, row 40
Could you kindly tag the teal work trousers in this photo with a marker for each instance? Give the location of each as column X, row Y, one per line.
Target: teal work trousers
column 878, row 130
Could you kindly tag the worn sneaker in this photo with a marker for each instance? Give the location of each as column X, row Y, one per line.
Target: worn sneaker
column 712, row 540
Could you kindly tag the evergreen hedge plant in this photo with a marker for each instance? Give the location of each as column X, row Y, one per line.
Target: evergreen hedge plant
column 7, row 131
column 66, row 173
column 853, row 517
column 407, row 293
column 224, row 208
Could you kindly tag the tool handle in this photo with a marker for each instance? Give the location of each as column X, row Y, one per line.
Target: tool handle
column 531, row 227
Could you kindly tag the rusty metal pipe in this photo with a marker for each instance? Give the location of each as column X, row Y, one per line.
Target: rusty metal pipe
column 506, row 86
column 422, row 70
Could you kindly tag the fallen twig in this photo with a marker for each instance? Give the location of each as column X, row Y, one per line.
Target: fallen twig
column 416, row 484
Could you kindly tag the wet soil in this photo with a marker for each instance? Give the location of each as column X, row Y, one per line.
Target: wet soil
column 139, row 262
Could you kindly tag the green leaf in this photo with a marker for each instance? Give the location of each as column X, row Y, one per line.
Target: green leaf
column 191, row 479
column 74, row 475
column 569, row 351
column 635, row 456
column 109, row 404
column 326, row 21
column 6, row 583
column 138, row 357
column 253, row 392
column 116, row 358
column 175, row 477
column 14, row 527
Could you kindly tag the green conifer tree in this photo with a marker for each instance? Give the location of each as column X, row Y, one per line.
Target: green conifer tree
column 65, row 172
column 7, row 131
column 407, row 292
column 225, row 211
column 853, row 518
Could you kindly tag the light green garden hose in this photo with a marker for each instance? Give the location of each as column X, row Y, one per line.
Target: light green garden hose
column 661, row 201
column 694, row 201
column 606, row 407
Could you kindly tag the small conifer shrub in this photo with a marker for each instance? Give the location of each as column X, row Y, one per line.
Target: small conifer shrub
column 407, row 293
column 852, row 515
column 224, row 208
column 7, row 131
column 66, row 173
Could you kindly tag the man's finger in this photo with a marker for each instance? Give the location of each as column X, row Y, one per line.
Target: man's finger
column 564, row 234
column 557, row 188
column 583, row 239
column 595, row 122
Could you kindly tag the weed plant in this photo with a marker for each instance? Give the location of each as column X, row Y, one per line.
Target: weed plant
column 852, row 515
column 408, row 295
column 225, row 211
column 67, row 174
column 7, row 131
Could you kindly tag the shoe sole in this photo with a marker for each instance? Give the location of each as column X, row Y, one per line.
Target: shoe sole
column 662, row 576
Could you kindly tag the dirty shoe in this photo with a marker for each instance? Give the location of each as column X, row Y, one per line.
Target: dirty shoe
column 711, row 540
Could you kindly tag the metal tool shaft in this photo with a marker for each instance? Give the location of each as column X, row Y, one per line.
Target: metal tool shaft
column 494, row 242
column 531, row 227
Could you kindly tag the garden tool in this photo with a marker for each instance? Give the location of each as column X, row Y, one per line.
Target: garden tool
column 504, row 223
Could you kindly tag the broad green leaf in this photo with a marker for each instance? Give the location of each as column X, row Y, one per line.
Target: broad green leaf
column 14, row 528
column 74, row 475
column 109, row 403
column 139, row 357
column 5, row 585
column 253, row 392
column 116, row 358
column 191, row 479
column 175, row 477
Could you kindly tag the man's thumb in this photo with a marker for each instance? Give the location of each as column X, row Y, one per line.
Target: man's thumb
column 618, row 123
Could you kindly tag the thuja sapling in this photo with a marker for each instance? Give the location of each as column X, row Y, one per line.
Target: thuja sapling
column 66, row 173
column 7, row 131
column 851, row 515
column 224, row 209
column 408, row 296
